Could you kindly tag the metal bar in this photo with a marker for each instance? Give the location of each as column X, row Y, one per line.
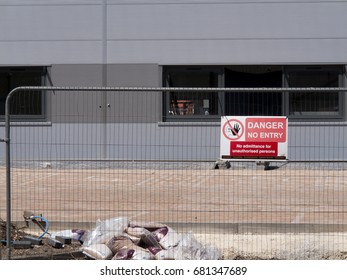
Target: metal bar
column 160, row 89
column 8, row 175
column 168, row 160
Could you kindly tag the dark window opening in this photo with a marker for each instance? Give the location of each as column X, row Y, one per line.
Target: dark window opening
column 22, row 103
column 314, row 103
column 253, row 103
column 191, row 104
column 296, row 105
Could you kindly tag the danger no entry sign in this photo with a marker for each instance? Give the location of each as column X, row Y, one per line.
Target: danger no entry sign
column 254, row 137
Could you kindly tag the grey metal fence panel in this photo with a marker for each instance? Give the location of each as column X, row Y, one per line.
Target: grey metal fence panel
column 122, row 152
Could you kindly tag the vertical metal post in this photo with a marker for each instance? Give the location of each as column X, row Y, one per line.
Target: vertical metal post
column 8, row 175
column 104, row 79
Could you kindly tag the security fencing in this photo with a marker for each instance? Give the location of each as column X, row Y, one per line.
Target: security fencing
column 78, row 155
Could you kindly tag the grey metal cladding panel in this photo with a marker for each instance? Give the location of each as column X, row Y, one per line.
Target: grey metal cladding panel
column 78, row 107
column 133, row 75
column 51, row 23
column 243, row 20
column 281, row 51
column 49, row 52
column 235, row 33
column 77, row 75
column 148, row 141
column 133, row 106
column 64, row 141
column 45, row 34
column 87, row 107
column 317, row 142
column 48, row 2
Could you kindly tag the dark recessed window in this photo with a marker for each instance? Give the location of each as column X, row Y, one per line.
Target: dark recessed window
column 207, row 105
column 191, row 105
column 23, row 104
column 253, row 103
column 310, row 103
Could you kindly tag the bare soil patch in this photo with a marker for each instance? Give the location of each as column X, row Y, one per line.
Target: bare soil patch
column 44, row 251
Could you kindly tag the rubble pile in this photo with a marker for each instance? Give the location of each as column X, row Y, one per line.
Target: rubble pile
column 117, row 239
column 122, row 239
column 16, row 233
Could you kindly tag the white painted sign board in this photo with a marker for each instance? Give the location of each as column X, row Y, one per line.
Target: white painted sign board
column 254, row 137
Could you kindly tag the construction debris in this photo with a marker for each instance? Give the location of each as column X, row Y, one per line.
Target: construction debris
column 55, row 243
column 122, row 239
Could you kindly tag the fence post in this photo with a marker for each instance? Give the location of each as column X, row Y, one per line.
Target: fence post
column 8, row 174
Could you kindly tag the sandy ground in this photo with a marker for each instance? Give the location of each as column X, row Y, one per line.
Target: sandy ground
column 289, row 246
column 200, row 197
column 284, row 195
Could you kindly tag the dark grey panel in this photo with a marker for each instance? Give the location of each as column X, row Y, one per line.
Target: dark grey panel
column 78, row 107
column 133, row 75
column 133, row 107
column 91, row 107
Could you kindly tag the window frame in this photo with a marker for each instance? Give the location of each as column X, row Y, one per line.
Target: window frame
column 43, row 71
column 193, row 118
column 339, row 68
column 319, row 116
column 263, row 69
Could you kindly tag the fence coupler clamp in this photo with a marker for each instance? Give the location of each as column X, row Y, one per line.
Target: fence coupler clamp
column 6, row 140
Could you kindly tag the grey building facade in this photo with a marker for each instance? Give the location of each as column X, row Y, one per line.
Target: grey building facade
column 155, row 43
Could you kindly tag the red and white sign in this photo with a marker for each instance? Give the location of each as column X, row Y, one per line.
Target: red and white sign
column 254, row 137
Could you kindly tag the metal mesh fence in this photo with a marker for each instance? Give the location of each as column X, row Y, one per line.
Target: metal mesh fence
column 89, row 154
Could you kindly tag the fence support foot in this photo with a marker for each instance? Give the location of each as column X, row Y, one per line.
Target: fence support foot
column 265, row 163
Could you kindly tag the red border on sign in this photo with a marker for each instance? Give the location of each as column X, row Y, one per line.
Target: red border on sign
column 228, row 123
column 253, row 149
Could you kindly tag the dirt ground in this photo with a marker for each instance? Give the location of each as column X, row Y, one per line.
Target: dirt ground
column 44, row 251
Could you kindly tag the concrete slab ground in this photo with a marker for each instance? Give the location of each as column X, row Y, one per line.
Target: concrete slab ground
column 290, row 211
column 236, row 196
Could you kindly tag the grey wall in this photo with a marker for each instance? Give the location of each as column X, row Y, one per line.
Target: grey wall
column 77, row 38
column 70, row 107
column 176, row 32
column 152, row 141
column 47, row 32
column 96, row 107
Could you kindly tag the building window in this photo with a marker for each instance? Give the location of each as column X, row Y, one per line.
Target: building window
column 191, row 105
column 253, row 103
column 205, row 106
column 313, row 104
column 22, row 105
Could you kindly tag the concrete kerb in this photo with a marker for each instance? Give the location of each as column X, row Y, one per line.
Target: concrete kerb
column 213, row 228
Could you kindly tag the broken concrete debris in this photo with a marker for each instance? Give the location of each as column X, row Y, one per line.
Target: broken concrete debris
column 122, row 239
column 55, row 243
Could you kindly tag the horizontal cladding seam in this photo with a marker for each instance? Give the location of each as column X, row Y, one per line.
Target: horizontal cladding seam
column 51, row 40
column 100, row 3
column 177, row 39
column 178, row 89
